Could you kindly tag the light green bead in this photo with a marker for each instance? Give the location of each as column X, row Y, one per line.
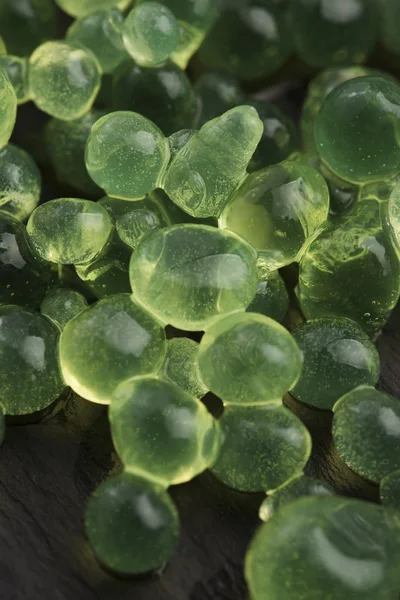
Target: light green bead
column 389, row 490
column 24, row 24
column 216, row 93
column 108, row 343
column 30, row 378
column 134, row 225
column 296, row 488
column 333, row 548
column 205, row 173
column 181, row 366
column 61, row 305
column 20, row 182
column 366, row 432
column 81, row 8
column 64, row 79
column 132, row 524
column 8, row 108
column 247, row 358
column 3, row 49
column 69, row 230
column 263, row 447
column 271, row 299
column 150, row 34
column 161, row 432
column 278, row 210
column 126, row 154
column 189, row 275
column 16, row 68
column 338, row 357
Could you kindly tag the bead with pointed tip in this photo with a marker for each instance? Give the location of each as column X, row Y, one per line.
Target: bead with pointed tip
column 20, row 182
column 25, row 24
column 181, row 366
column 271, row 298
column 127, row 155
column 132, row 524
column 81, row 8
column 108, row 343
column 60, row 305
column 205, row 173
column 189, row 275
column 69, row 230
column 8, row 102
column 16, row 68
column 389, row 490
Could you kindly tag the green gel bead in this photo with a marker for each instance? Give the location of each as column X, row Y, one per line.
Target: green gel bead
column 389, row 18
column 250, row 38
column 390, row 490
column 126, row 154
column 64, row 79
column 16, row 68
column 69, row 230
column 3, row 49
column 20, row 182
column 61, row 305
column 163, row 94
column 181, row 366
column 338, row 357
column 134, row 225
column 343, row 33
column 296, row 488
column 188, row 275
column 108, row 343
column 247, row 358
column 24, row 24
column 132, row 524
column 352, row 269
column 65, row 146
column 271, row 299
column 82, row 8
column 342, row 194
column 277, row 210
column 208, row 169
column 279, row 139
column 216, row 93
column 23, row 280
column 101, row 32
column 366, row 112
column 366, row 432
column 179, row 139
column 263, row 447
column 161, row 432
column 8, row 108
column 30, row 378
column 330, row 547
column 150, row 34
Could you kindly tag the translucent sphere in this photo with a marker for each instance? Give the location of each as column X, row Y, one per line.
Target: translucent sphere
column 16, row 69
column 389, row 490
column 20, row 182
column 126, row 154
column 135, row 224
column 338, row 357
column 150, row 34
column 181, row 366
column 277, row 210
column 69, row 230
column 132, row 524
column 64, row 79
column 247, row 358
column 30, row 378
column 366, row 112
column 330, row 547
column 271, row 298
column 161, row 432
column 366, row 432
column 188, row 275
column 263, row 447
column 8, row 103
column 81, row 8
column 108, row 343
column 61, row 305
column 24, row 24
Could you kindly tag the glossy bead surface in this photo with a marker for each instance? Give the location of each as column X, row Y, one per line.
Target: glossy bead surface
column 8, row 103
column 64, row 79
column 277, row 210
column 366, row 432
column 216, row 93
column 338, row 357
column 60, row 305
column 271, row 298
column 188, row 275
column 247, row 358
column 16, row 69
column 208, row 169
column 181, row 366
column 126, row 154
column 132, row 524
column 161, row 432
column 366, row 112
column 24, row 24
column 263, row 447
column 330, row 547
column 81, row 8
column 389, row 490
column 20, row 182
column 134, row 225
column 69, row 230
column 108, row 343
column 30, row 377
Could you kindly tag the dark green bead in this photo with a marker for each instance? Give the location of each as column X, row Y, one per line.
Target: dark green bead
column 60, row 305
column 389, row 18
column 271, row 299
column 20, row 182
column 389, row 490
column 216, row 93
column 24, row 24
